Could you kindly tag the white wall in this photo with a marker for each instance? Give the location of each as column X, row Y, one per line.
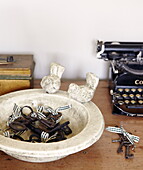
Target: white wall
column 65, row 31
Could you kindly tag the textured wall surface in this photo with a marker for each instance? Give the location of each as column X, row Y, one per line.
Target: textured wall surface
column 65, row 31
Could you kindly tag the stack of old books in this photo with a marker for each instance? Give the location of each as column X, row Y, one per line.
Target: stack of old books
column 16, row 72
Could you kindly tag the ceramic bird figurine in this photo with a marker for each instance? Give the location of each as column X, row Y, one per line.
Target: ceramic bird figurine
column 52, row 82
column 84, row 93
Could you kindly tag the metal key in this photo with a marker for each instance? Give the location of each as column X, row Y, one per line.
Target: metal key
column 127, row 151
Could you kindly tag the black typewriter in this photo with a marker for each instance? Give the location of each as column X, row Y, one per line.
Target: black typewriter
column 126, row 85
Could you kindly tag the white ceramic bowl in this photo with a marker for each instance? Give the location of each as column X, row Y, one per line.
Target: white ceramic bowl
column 86, row 122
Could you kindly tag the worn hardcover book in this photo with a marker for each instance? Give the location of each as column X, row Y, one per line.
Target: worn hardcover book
column 16, row 72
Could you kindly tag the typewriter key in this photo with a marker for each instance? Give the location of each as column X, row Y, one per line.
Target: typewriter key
column 133, row 101
column 120, row 90
column 140, row 90
column 127, row 90
column 133, row 90
column 131, row 95
column 140, row 102
column 117, row 95
column 127, row 101
column 120, row 102
column 125, row 95
column 138, row 95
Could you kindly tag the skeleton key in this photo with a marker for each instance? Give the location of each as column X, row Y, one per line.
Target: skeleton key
column 127, row 151
column 119, row 150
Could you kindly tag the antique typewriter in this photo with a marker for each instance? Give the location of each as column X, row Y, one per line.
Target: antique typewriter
column 126, row 72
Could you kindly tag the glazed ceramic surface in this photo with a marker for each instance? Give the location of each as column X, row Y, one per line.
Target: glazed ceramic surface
column 86, row 122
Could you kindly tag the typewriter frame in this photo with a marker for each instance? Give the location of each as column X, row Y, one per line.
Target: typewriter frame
column 126, row 84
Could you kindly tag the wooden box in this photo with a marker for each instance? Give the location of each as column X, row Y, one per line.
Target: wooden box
column 16, row 75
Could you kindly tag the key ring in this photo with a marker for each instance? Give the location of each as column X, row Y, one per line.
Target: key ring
column 27, row 116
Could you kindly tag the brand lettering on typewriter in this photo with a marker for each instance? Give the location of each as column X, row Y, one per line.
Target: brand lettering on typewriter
column 139, row 82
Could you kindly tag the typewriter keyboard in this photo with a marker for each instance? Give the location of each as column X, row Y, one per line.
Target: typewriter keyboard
column 131, row 97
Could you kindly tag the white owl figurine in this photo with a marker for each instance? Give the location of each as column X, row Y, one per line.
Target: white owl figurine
column 52, row 82
column 84, row 93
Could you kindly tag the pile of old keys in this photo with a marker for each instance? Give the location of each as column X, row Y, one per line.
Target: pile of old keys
column 43, row 124
column 125, row 139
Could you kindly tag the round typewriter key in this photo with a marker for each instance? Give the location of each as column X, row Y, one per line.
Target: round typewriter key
column 127, row 90
column 133, row 101
column 117, row 95
column 140, row 90
column 120, row 90
column 133, row 90
column 140, row 102
column 125, row 95
column 127, row 101
column 138, row 95
column 120, row 102
column 131, row 95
